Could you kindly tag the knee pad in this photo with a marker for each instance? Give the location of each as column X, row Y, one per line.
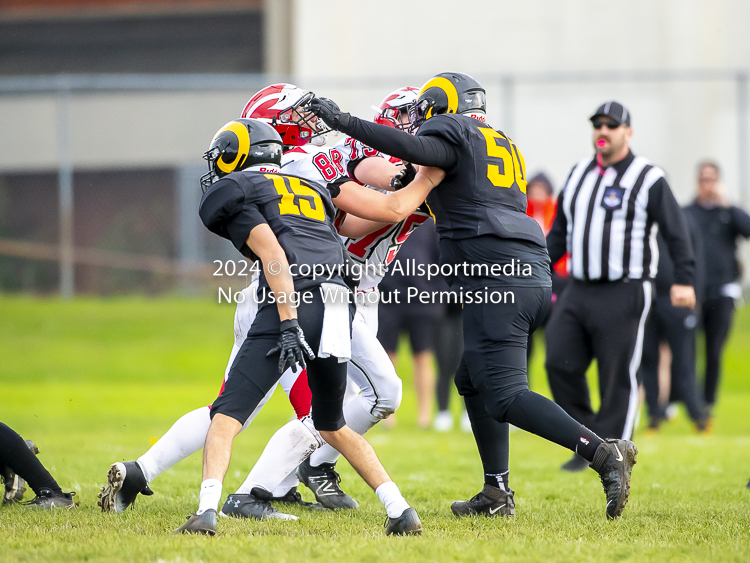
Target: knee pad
column 389, row 399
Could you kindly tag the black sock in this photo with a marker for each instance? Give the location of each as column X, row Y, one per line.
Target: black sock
column 538, row 415
column 587, row 443
column 491, row 437
column 15, row 454
column 499, row 480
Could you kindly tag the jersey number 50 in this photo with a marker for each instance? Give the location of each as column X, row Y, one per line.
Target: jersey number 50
column 310, row 204
column 514, row 169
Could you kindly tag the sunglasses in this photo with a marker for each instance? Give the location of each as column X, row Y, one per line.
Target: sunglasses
column 608, row 124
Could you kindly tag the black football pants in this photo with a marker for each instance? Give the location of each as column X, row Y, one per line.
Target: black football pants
column 717, row 320
column 605, row 321
column 493, row 382
column 676, row 326
column 16, row 455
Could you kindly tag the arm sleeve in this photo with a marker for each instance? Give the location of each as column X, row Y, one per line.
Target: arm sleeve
column 426, row 150
column 225, row 212
column 663, row 208
column 741, row 221
column 557, row 236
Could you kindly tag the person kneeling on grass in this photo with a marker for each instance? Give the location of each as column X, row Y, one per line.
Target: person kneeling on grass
column 19, row 465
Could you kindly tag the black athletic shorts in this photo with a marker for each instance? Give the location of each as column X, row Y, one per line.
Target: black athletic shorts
column 416, row 319
column 252, row 374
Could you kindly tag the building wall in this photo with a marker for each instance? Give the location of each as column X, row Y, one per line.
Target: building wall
column 675, row 123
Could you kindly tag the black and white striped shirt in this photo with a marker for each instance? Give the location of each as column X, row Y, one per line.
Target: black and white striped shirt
column 607, row 221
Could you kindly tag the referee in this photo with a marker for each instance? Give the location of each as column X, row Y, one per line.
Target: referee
column 607, row 217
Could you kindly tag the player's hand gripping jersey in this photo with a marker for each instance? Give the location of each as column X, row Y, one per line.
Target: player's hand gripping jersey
column 326, row 165
column 299, row 212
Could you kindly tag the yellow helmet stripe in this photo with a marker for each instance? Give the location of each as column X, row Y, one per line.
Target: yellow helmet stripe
column 243, row 147
column 446, row 86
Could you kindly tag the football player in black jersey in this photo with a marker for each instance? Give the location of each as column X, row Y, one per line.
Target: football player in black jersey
column 479, row 209
column 283, row 221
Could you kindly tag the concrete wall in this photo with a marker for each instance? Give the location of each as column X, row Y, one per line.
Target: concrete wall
column 675, row 123
column 356, row 52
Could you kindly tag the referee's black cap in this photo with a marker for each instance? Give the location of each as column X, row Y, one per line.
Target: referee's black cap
column 613, row 110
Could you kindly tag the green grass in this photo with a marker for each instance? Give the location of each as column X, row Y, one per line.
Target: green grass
column 94, row 381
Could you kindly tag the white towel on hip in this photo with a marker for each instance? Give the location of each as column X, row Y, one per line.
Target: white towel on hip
column 335, row 338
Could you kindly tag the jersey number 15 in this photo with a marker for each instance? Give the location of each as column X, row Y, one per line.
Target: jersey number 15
column 309, row 203
column 514, row 169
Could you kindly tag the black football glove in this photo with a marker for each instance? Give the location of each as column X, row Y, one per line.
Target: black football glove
column 292, row 346
column 403, row 177
column 329, row 112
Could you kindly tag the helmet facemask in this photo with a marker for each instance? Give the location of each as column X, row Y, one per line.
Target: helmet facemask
column 210, row 156
column 309, row 129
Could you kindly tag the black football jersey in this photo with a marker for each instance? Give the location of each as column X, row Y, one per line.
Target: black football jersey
column 299, row 212
column 484, row 193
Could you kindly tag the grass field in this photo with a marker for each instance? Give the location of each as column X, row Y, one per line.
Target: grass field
column 94, row 381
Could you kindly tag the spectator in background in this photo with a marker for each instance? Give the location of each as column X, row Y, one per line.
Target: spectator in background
column 449, row 346
column 719, row 225
column 542, row 206
column 417, row 319
column 676, row 326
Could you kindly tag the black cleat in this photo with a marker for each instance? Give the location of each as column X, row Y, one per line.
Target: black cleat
column 575, row 464
column 15, row 485
column 748, row 485
column 293, row 497
column 125, row 481
column 323, row 481
column 199, row 524
column 491, row 502
column 256, row 505
column 47, row 499
column 407, row 524
column 614, row 461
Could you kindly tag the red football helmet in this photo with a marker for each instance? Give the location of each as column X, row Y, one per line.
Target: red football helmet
column 395, row 103
column 276, row 105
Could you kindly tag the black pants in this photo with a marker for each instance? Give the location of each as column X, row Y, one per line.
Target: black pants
column 717, row 320
column 675, row 325
column 16, row 455
column 605, row 321
column 253, row 374
column 493, row 364
column 448, row 350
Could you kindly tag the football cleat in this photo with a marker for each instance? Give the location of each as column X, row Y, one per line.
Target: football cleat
column 748, row 485
column 47, row 500
column 575, row 464
column 323, row 481
column 125, row 480
column 614, row 461
column 256, row 505
column 15, row 486
column 293, row 497
column 491, row 501
column 199, row 524
column 407, row 524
